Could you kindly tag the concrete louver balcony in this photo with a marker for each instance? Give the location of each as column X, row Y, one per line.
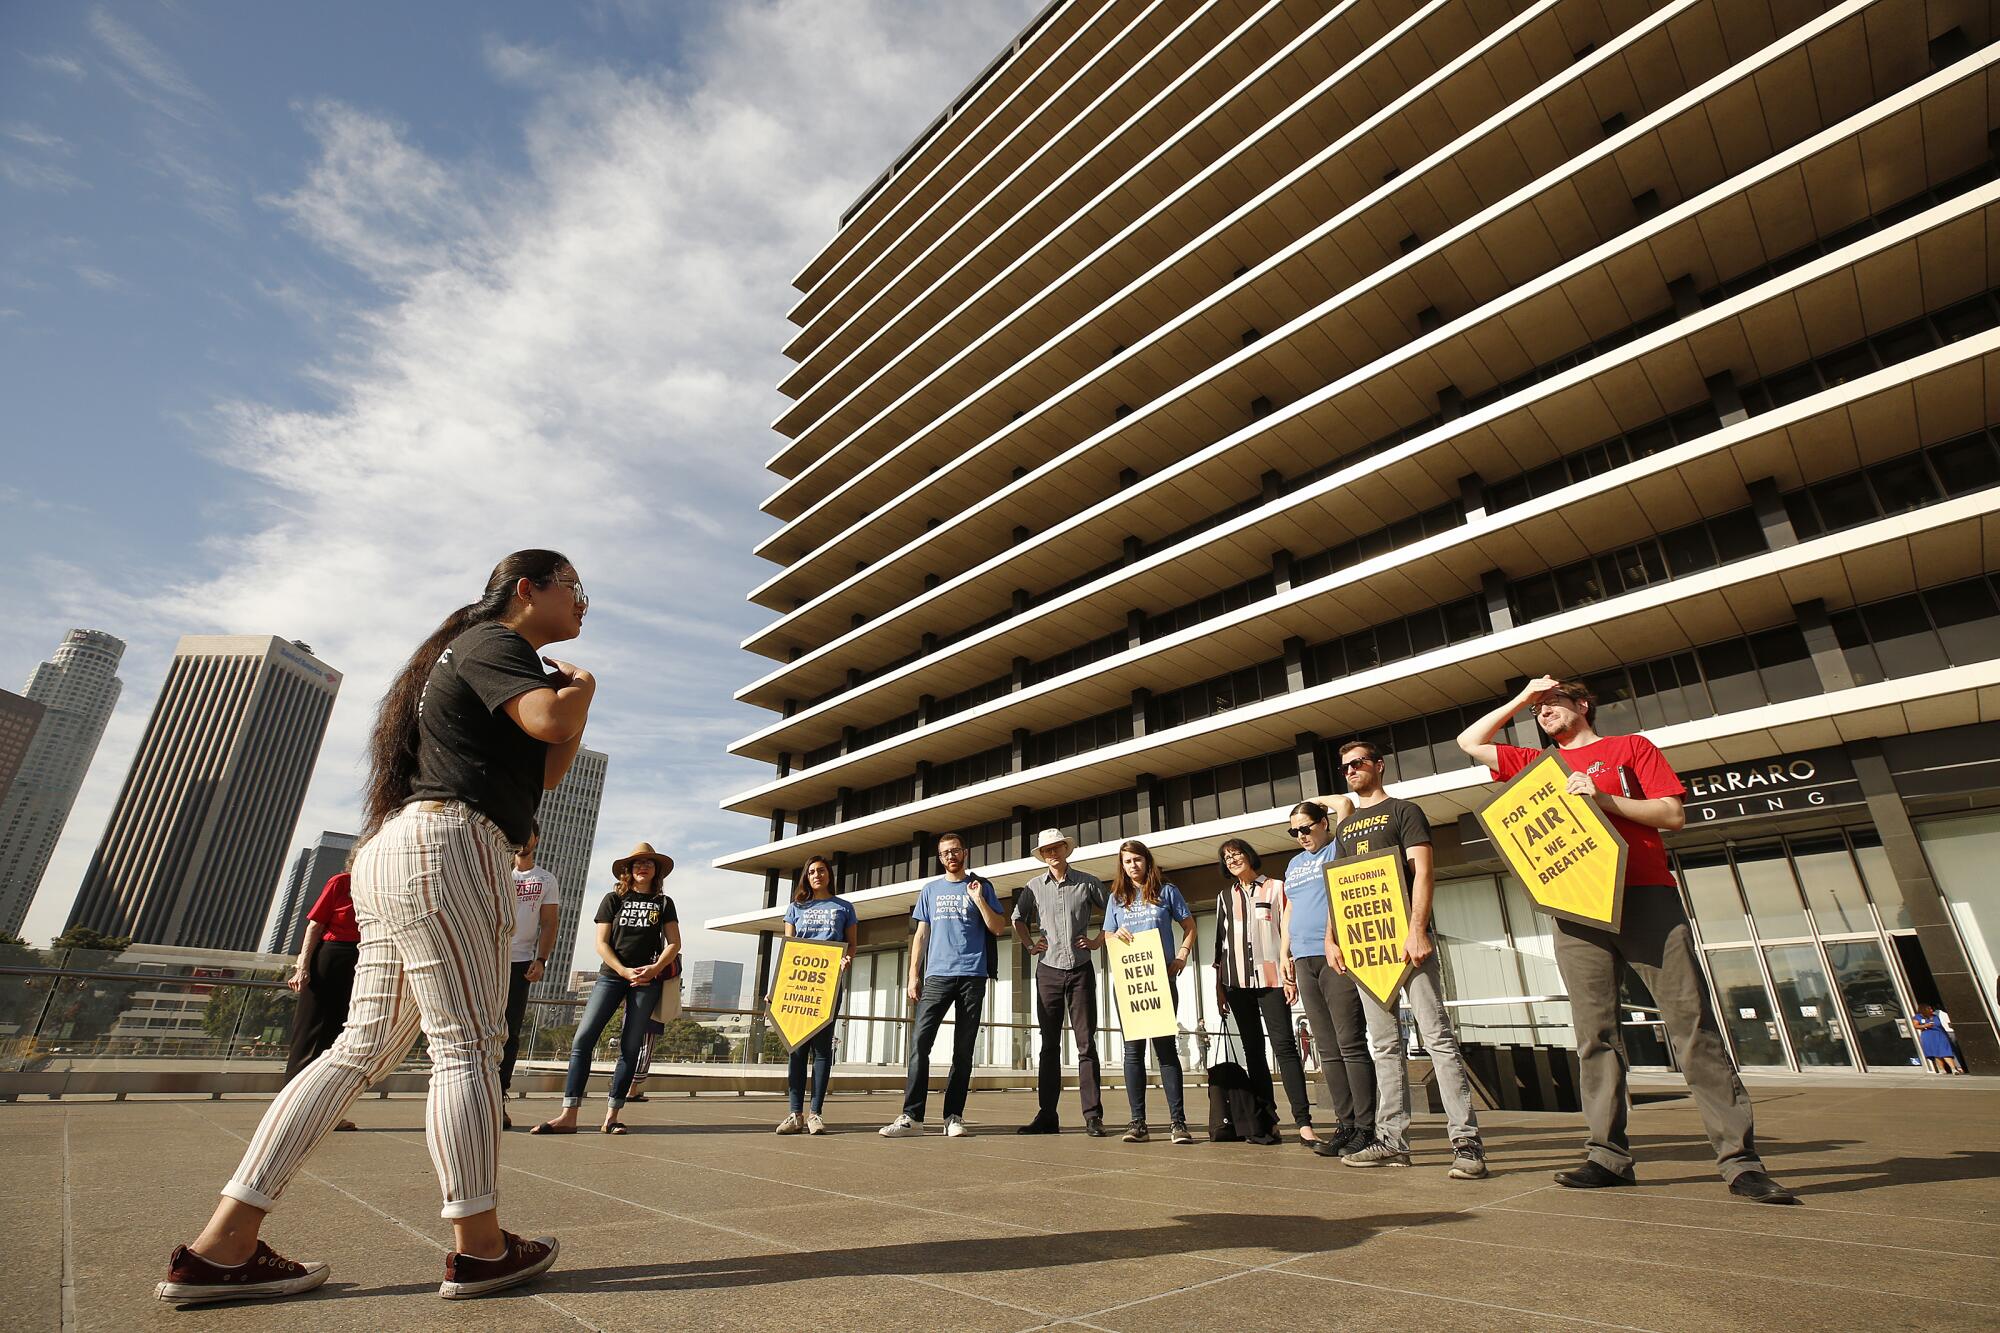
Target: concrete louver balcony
column 1115, row 36
column 1305, row 94
column 1040, row 57
column 1427, row 119
column 1952, row 540
column 1919, row 265
column 1532, row 168
column 1887, row 414
column 1158, row 48
column 1712, row 237
column 1952, row 696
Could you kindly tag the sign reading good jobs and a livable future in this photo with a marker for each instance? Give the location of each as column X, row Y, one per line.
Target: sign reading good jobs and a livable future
column 1560, row 846
column 1368, row 908
column 1139, row 986
column 805, row 988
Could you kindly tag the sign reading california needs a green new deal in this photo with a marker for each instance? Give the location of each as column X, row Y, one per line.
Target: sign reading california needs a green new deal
column 1368, row 908
column 805, row 988
column 1561, row 846
column 1139, row 985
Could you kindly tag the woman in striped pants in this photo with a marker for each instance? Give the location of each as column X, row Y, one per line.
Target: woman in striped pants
column 474, row 729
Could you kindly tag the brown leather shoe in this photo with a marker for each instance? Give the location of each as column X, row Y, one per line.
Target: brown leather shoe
column 467, row 1275
column 265, row 1274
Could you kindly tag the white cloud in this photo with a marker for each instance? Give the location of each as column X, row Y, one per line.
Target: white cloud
column 58, row 64
column 144, row 71
column 101, row 279
column 581, row 354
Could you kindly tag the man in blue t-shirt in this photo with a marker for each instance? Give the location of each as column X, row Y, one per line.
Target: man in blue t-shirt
column 951, row 956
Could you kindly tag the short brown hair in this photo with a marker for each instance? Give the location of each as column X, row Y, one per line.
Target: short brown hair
column 1374, row 750
column 1579, row 694
column 944, row 838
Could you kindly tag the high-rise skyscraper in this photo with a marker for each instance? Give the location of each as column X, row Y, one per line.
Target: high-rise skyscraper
column 568, row 816
column 311, row 869
column 77, row 688
column 199, row 831
column 19, row 720
column 713, row 984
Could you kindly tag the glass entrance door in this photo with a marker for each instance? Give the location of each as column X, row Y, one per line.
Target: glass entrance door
column 1861, row 972
column 1805, row 1000
column 1747, row 1013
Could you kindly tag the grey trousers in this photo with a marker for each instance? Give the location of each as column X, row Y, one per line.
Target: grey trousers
column 1333, row 1008
column 1655, row 943
column 1425, row 993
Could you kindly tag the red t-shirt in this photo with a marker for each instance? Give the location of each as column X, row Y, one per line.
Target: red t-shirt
column 1623, row 766
column 335, row 911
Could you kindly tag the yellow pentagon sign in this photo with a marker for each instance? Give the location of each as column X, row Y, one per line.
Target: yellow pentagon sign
column 805, row 988
column 1139, row 986
column 1368, row 905
column 1562, row 848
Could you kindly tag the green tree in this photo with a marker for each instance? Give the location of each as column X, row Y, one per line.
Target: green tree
column 83, row 1009
column 248, row 1013
column 21, row 998
column 84, row 938
column 688, row 1041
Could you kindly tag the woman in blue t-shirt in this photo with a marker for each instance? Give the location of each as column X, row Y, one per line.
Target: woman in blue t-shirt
column 816, row 913
column 1139, row 902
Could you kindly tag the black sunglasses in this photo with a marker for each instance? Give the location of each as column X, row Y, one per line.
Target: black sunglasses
column 1362, row 762
column 1300, row 830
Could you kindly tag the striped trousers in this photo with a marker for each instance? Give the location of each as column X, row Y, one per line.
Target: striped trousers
column 435, row 904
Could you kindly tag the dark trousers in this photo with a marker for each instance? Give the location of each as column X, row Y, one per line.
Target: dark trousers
column 604, row 1001
column 1261, row 1011
column 517, row 1012
column 1340, row 1031
column 1655, row 942
column 962, row 996
column 321, row 1011
column 1068, row 992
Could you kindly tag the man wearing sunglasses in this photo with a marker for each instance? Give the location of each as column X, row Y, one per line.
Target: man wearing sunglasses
column 1638, row 792
column 1381, row 821
column 1332, row 1001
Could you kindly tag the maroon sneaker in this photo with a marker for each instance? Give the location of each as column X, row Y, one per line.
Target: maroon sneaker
column 191, row 1278
column 467, row 1275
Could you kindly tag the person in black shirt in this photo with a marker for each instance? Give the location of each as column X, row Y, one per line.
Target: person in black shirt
column 639, row 939
column 474, row 728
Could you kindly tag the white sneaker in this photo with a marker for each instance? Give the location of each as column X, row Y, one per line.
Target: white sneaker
column 791, row 1124
column 815, row 1125
column 954, row 1128
column 902, row 1127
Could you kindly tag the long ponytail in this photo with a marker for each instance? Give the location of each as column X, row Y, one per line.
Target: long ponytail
column 392, row 749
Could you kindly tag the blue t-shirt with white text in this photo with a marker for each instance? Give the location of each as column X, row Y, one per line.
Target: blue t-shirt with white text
column 1305, row 885
column 960, row 944
column 821, row 919
column 1143, row 916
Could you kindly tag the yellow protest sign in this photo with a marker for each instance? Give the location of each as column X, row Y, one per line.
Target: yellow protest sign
column 1562, row 848
column 1139, row 986
column 805, row 989
column 1368, row 904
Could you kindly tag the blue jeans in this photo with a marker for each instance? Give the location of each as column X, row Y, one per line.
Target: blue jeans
column 964, row 995
column 1168, row 1052
column 605, row 997
column 820, row 1052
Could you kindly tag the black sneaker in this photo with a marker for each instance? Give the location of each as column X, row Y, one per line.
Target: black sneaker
column 1468, row 1160
column 1346, row 1138
column 1179, row 1133
column 467, row 1275
column 1136, row 1132
column 266, row 1273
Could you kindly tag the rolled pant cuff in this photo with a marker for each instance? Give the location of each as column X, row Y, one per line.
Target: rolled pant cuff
column 469, row 1207
column 571, row 1101
column 242, row 1193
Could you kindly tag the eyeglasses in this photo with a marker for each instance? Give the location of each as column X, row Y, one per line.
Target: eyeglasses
column 1362, row 762
column 575, row 590
column 1300, row 830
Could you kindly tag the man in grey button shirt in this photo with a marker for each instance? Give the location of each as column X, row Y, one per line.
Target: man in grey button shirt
column 1060, row 904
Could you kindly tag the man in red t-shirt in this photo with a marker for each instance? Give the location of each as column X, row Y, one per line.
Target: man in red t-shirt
column 1636, row 789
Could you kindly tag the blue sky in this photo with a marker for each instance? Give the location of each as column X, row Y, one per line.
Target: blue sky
column 308, row 313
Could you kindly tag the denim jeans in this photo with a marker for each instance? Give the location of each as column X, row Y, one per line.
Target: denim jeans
column 1424, row 992
column 605, row 998
column 1167, row 1051
column 963, row 996
column 818, row 1052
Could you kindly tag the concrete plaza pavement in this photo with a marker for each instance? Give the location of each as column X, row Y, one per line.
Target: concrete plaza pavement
column 701, row 1218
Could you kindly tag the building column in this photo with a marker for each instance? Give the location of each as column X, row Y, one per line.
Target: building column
column 764, row 937
column 1958, row 985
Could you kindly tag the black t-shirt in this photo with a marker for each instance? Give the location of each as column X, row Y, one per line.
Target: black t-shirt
column 467, row 749
column 638, row 929
column 1393, row 823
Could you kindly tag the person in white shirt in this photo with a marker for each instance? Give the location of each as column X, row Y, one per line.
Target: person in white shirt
column 537, row 907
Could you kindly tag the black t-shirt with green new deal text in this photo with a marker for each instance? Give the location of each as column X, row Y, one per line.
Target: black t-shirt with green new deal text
column 1393, row 823
column 467, row 749
column 638, row 924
